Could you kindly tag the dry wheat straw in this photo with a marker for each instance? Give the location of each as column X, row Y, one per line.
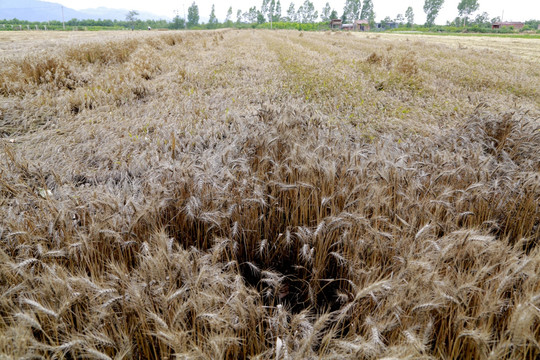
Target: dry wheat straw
column 264, row 195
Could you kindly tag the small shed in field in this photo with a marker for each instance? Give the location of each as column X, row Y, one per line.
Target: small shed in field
column 503, row 24
column 336, row 23
column 362, row 25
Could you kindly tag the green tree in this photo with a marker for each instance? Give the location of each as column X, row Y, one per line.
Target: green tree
column 260, row 18
column 268, row 8
column 239, row 16
column 131, row 17
column 291, row 13
column 466, row 8
column 252, row 15
column 533, row 24
column 409, row 15
column 482, row 20
column 271, row 9
column 457, row 22
column 307, row 13
column 311, row 14
column 325, row 13
column 367, row 11
column 277, row 11
column 300, row 15
column 212, row 20
column 193, row 15
column 334, row 15
column 228, row 17
column 432, row 8
column 351, row 10
column 387, row 20
column 178, row 23
column 265, row 7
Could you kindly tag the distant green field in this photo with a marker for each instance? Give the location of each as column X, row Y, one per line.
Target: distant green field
column 68, row 28
column 519, row 36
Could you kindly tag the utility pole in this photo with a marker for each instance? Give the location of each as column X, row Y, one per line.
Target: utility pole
column 63, row 23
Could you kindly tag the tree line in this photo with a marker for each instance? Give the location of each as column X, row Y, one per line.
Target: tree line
column 304, row 17
column 271, row 12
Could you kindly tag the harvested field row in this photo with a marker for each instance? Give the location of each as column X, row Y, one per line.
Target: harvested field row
column 268, row 195
column 490, row 46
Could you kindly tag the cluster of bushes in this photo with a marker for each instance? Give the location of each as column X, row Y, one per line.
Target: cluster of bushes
column 460, row 29
column 75, row 24
column 95, row 25
column 44, row 26
column 468, row 29
column 288, row 26
column 87, row 24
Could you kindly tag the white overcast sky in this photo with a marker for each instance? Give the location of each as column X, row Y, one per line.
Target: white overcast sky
column 516, row 10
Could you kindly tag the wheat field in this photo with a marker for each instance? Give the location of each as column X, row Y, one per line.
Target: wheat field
column 268, row 195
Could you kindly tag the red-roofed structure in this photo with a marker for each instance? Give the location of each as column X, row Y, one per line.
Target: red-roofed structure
column 503, row 24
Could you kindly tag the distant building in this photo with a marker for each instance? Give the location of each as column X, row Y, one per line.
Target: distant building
column 387, row 25
column 506, row 24
column 336, row 23
column 362, row 25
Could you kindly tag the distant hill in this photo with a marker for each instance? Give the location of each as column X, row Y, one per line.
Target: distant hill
column 34, row 10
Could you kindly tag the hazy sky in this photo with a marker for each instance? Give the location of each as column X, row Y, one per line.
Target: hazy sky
column 517, row 10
